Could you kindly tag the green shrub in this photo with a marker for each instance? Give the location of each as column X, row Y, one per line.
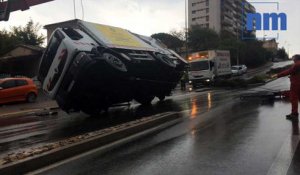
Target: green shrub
column 278, row 70
column 236, row 83
column 258, row 79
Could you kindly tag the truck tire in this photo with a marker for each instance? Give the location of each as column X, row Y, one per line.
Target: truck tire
column 144, row 100
column 161, row 97
column 93, row 112
column 114, row 60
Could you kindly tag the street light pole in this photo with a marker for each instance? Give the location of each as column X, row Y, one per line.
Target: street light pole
column 238, row 47
column 186, row 30
column 288, row 48
column 74, row 6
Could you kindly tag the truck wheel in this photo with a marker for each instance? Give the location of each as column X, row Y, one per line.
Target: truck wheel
column 91, row 112
column 95, row 112
column 31, row 97
column 113, row 60
column 144, row 100
column 161, row 97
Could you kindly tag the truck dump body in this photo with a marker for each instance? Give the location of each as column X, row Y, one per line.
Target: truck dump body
column 114, row 37
column 104, row 65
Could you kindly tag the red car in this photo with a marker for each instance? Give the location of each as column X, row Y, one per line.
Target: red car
column 17, row 89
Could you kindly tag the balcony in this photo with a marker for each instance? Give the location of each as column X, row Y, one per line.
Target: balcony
column 228, row 14
column 227, row 21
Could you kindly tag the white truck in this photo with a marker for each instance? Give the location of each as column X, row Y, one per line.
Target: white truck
column 91, row 66
column 207, row 66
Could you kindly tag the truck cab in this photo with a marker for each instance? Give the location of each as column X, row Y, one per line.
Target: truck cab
column 92, row 66
column 62, row 47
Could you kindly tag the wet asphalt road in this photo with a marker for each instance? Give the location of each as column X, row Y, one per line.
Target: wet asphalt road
column 21, row 132
column 220, row 134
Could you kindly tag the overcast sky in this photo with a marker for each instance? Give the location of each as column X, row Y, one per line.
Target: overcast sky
column 148, row 16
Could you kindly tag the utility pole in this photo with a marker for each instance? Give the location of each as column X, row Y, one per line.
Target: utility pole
column 74, row 6
column 237, row 42
column 186, row 30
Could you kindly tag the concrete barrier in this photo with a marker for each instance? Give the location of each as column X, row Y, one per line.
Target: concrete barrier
column 47, row 158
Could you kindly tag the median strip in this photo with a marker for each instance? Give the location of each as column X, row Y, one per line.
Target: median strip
column 38, row 157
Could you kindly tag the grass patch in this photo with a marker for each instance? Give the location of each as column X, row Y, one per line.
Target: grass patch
column 278, row 70
column 241, row 83
column 236, row 83
column 258, row 79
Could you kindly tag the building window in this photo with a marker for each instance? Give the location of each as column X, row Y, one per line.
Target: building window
column 207, row 10
column 194, row 19
column 194, row 12
column 207, row 18
column 200, row 2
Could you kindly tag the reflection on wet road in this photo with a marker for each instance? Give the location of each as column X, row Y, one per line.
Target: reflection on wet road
column 19, row 132
column 220, row 135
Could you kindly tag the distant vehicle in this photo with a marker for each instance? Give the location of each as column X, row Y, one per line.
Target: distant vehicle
column 239, row 69
column 207, row 66
column 244, row 68
column 17, row 89
column 94, row 66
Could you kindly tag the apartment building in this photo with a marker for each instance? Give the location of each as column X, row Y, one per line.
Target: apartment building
column 227, row 15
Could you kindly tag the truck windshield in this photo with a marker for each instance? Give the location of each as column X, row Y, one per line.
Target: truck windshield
column 201, row 65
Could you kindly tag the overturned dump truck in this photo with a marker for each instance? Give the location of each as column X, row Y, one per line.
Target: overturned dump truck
column 93, row 66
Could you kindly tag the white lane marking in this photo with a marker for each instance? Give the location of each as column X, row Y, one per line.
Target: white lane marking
column 284, row 158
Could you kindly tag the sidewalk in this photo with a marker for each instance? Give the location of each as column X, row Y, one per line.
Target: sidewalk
column 14, row 109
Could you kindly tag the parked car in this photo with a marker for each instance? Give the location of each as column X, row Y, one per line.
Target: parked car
column 244, row 68
column 17, row 89
column 238, row 69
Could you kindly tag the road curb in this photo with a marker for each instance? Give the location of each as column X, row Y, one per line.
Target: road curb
column 44, row 159
column 27, row 112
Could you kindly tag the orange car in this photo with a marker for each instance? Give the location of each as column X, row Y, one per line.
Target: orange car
column 17, row 89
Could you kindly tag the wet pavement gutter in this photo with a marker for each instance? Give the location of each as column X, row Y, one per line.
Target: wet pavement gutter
column 37, row 111
column 152, row 124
